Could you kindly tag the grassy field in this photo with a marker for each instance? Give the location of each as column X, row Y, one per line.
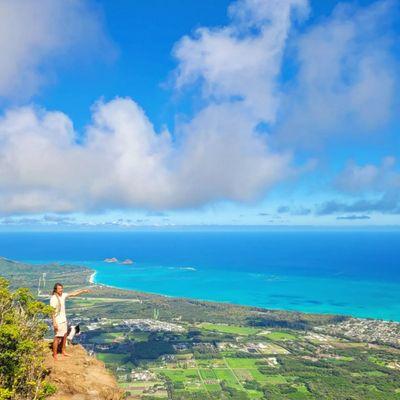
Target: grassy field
column 106, row 337
column 233, row 329
column 280, row 336
column 234, row 372
column 111, row 358
column 243, row 362
column 138, row 336
column 225, row 374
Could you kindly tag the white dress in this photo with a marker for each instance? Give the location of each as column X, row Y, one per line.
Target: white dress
column 58, row 303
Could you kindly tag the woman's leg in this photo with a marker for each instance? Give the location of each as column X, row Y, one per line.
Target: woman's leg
column 55, row 347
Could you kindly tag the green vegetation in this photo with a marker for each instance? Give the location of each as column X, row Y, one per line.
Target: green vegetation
column 205, row 350
column 111, row 358
column 28, row 275
column 201, row 369
column 109, row 302
column 22, row 375
column 234, row 329
column 281, row 336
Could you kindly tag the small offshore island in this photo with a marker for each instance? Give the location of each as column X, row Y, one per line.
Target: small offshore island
column 115, row 260
column 163, row 347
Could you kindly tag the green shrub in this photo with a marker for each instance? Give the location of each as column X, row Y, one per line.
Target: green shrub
column 22, row 347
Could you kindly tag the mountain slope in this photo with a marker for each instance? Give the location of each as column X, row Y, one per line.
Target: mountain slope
column 81, row 377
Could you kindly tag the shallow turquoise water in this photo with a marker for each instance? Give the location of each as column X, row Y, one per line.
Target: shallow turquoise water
column 347, row 272
column 289, row 292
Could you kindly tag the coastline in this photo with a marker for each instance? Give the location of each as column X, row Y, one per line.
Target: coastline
column 277, row 309
column 308, row 276
column 95, row 277
column 369, row 329
column 91, row 278
column 306, row 308
column 144, row 292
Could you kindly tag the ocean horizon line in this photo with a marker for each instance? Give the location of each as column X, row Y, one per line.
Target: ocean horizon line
column 60, row 229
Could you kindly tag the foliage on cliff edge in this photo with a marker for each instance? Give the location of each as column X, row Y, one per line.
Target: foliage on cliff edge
column 22, row 349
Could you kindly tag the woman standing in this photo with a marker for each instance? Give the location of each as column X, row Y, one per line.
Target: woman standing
column 57, row 301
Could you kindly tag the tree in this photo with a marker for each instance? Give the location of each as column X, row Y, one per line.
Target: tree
column 22, row 348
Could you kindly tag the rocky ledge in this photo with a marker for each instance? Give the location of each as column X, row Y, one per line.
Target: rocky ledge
column 81, row 377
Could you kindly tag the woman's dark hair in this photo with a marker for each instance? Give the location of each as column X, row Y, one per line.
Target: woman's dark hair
column 56, row 286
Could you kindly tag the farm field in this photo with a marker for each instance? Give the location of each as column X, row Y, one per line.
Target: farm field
column 281, row 336
column 232, row 372
column 280, row 364
column 233, row 329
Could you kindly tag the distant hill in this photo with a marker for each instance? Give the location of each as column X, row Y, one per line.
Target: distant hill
column 22, row 274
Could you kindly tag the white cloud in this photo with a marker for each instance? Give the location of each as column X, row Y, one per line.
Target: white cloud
column 122, row 162
column 357, row 179
column 369, row 188
column 34, row 34
column 223, row 158
column 347, row 76
column 234, row 63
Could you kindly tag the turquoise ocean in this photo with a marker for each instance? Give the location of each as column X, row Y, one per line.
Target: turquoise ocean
column 353, row 272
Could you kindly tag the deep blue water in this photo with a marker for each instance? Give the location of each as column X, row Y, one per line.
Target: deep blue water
column 348, row 272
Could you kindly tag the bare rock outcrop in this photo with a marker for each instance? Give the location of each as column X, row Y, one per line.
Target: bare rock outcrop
column 81, row 377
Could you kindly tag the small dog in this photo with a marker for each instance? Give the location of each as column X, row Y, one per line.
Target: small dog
column 72, row 332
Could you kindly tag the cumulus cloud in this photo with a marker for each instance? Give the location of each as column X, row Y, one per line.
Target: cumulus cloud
column 122, row 162
column 234, row 64
column 222, row 154
column 33, row 34
column 385, row 204
column 372, row 188
column 369, row 177
column 346, row 75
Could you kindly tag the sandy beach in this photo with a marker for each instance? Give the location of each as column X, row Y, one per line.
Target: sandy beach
column 91, row 278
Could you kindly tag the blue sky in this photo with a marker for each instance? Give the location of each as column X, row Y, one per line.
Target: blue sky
column 173, row 112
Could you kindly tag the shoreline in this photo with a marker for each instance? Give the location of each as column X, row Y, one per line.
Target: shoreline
column 91, row 278
column 92, row 281
column 92, row 274
column 349, row 316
